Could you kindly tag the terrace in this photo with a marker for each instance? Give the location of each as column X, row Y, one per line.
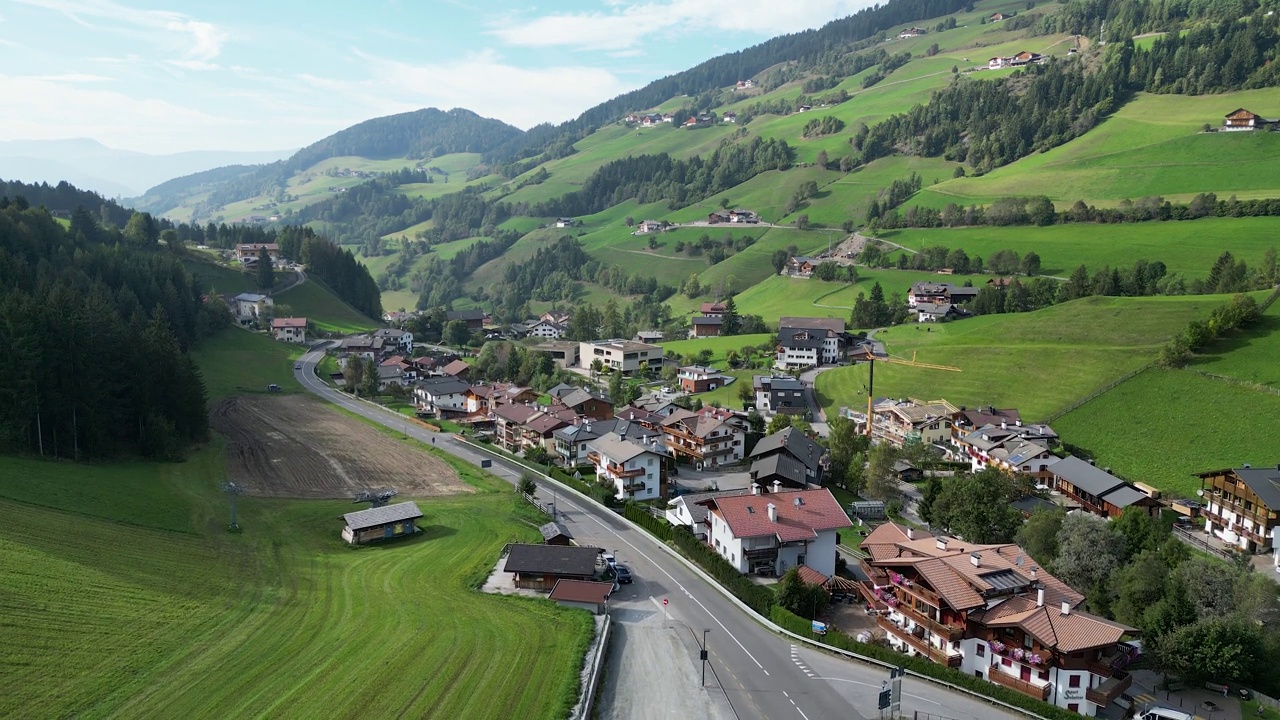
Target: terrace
column 938, row 655
column 999, row 677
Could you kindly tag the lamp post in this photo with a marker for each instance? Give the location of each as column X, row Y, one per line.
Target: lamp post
column 704, row 656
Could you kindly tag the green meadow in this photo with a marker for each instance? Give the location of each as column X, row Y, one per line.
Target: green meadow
column 320, row 306
column 238, row 362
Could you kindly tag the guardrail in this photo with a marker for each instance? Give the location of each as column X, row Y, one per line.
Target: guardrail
column 766, row 622
column 593, row 678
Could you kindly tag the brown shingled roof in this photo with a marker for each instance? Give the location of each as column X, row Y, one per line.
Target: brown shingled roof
column 581, row 591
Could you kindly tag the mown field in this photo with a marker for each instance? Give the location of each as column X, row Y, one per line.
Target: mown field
column 1037, row 362
column 222, row 280
column 1250, row 357
column 1164, row 425
column 1187, row 247
column 136, row 603
column 719, row 346
column 317, row 304
column 1153, row 145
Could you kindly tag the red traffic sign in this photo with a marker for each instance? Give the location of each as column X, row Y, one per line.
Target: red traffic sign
column 664, row 602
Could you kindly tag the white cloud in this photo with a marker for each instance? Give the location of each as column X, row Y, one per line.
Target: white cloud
column 194, row 64
column 177, row 32
column 481, row 82
column 627, row 25
column 72, row 78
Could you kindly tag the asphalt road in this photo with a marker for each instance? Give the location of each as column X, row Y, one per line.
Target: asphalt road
column 755, row 671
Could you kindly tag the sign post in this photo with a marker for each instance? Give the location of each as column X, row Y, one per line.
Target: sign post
column 895, row 687
column 703, row 655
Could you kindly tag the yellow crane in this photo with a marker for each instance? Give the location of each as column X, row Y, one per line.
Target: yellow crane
column 871, row 359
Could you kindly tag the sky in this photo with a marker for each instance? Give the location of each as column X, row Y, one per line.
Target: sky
column 280, row 74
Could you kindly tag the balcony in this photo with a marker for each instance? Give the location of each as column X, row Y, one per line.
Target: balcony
column 938, row 655
column 950, row 632
column 1107, row 692
column 999, row 677
column 619, row 471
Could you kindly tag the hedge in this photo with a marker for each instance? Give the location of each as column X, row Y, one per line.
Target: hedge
column 836, row 639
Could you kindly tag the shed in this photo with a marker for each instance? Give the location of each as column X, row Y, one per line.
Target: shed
column 907, row 472
column 554, row 533
column 868, row 509
column 593, row 596
column 538, row 567
column 381, row 523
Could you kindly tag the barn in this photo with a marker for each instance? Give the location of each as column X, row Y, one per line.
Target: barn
column 538, row 567
column 381, row 523
column 554, row 533
column 593, row 596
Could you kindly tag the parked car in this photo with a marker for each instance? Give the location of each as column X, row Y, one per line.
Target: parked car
column 297, row 366
column 622, row 573
column 609, row 560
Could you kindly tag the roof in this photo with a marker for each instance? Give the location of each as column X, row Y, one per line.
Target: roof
column 697, row 511
column 289, row 322
column 794, row 442
column 812, row 323
column 389, row 333
column 1069, row 633
column 809, row 576
column 987, row 416
column 464, row 315
column 700, row 423
column 518, row 414
column 581, row 591
column 779, row 464
column 713, row 307
column 1091, row 479
column 251, row 297
column 374, row 517
column 579, row 396
column 616, row 449
column 545, row 423
column 1241, row 114
column 443, row 386
column 457, row 367
column 801, row 514
column 1264, row 482
column 925, row 308
column 387, row 372
column 801, row 338
column 1124, row 496
column 552, row 559
column 1029, row 504
column 774, row 382
column 555, row 529
column 707, row 321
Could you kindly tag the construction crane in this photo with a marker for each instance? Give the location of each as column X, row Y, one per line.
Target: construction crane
column 871, row 359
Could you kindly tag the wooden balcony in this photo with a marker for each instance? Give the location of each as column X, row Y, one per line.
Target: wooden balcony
column 999, row 677
column 942, row 657
column 1107, row 692
column 619, row 471
column 950, row 632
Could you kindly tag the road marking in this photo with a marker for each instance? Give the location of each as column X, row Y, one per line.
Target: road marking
column 785, row 695
column 806, row 717
column 325, row 392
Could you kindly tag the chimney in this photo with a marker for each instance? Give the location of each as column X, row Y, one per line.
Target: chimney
column 777, row 486
column 976, row 559
column 755, row 489
column 942, row 543
column 773, row 517
column 1033, row 574
column 1066, row 608
column 1040, row 597
column 1018, row 422
column 911, row 534
column 1004, row 425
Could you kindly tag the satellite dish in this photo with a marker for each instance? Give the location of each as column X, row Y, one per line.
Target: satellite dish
column 1200, row 493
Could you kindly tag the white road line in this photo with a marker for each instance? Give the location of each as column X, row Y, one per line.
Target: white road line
column 806, row 717
column 785, row 695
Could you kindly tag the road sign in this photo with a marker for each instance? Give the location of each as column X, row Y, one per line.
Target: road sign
column 885, row 698
column 664, row 602
column 486, row 463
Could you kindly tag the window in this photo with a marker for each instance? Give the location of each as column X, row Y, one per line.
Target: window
column 1073, row 707
column 1006, row 662
column 1074, row 681
column 1026, row 640
column 982, row 650
column 1044, row 674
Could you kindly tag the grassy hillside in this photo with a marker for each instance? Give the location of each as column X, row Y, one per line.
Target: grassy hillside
column 1187, row 247
column 138, row 604
column 317, row 304
column 1152, row 146
column 1038, row 362
column 236, row 361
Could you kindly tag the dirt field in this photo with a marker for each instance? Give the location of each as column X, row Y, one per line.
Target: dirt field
column 297, row 447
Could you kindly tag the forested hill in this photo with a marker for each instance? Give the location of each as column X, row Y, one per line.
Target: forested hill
column 728, row 69
column 96, row 323
column 421, row 134
column 170, row 193
column 63, row 198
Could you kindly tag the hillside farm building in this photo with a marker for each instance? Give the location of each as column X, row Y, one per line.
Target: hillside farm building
column 381, row 523
column 1243, row 120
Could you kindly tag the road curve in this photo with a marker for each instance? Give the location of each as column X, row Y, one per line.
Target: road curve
column 762, row 675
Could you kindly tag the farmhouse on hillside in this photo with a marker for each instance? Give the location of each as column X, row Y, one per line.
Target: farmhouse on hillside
column 381, row 523
column 289, row 329
column 1240, row 507
column 251, row 306
column 249, row 251
column 1241, row 119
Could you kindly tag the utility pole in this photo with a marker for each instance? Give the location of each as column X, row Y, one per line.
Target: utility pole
column 703, row 654
column 233, row 490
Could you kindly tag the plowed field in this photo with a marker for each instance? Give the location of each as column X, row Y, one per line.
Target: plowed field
column 297, row 447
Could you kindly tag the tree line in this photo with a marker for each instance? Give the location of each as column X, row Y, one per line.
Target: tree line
column 98, row 324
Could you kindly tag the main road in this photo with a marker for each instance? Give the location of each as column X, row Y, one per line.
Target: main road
column 760, row 674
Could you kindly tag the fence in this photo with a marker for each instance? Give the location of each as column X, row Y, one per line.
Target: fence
column 1200, row 543
column 1105, row 388
column 593, row 678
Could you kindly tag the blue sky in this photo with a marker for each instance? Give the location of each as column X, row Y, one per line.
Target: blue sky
column 276, row 74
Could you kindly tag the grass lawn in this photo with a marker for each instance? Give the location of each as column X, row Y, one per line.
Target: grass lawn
column 719, row 346
column 317, row 304
column 1187, row 247
column 1037, row 362
column 1248, row 356
column 106, row 619
column 235, row 362
column 221, row 280
column 1164, row 425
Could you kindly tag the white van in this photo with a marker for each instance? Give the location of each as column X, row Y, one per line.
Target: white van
column 1163, row 713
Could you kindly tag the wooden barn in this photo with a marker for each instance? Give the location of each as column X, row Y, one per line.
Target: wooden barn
column 554, row 533
column 593, row 596
column 381, row 523
column 538, row 567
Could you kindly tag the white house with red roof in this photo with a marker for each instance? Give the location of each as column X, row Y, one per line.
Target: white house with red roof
column 290, row 329
column 777, row 531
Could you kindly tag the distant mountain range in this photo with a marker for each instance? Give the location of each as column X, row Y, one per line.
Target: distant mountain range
column 90, row 165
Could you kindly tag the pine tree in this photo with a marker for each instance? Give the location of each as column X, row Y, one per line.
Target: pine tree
column 266, row 271
column 732, row 321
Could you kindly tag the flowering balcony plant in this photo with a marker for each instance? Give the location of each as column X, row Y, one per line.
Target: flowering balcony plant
column 996, row 646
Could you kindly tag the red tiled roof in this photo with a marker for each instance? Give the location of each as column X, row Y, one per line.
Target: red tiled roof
column 393, row 360
column 581, row 591
column 290, row 322
column 809, row 576
column 748, row 515
column 454, row 368
column 518, row 414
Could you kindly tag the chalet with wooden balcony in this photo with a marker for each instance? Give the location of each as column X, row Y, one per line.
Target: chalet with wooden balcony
column 990, row 611
column 1096, row 490
column 771, row 533
column 707, row 438
column 794, row 449
column 1012, row 447
column 634, row 469
column 901, row 422
column 508, row 425
column 1241, row 506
